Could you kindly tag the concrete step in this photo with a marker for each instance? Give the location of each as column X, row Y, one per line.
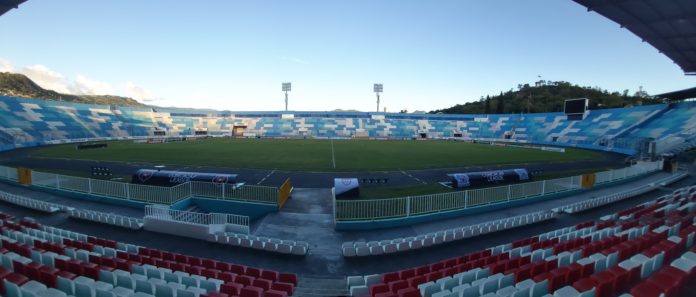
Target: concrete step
column 319, row 285
column 307, row 292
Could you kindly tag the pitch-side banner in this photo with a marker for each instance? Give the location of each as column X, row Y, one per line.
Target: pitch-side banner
column 473, row 179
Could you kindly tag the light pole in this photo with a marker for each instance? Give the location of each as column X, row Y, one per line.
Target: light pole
column 287, row 87
column 378, row 88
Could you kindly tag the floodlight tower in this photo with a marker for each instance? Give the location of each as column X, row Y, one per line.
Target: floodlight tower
column 287, row 87
column 378, row 88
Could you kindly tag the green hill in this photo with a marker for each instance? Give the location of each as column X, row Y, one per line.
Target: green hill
column 548, row 97
column 18, row 85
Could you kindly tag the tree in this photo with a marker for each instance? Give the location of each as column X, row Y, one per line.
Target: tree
column 549, row 98
column 488, row 105
column 641, row 93
column 499, row 109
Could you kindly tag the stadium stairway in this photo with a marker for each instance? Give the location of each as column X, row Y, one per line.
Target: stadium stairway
column 642, row 122
column 320, row 286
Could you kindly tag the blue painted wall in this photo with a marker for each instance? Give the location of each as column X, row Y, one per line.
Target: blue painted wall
column 250, row 209
column 92, row 197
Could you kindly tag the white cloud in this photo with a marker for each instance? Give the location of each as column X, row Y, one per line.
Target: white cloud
column 139, row 93
column 46, row 78
column 86, row 86
column 6, row 66
column 82, row 85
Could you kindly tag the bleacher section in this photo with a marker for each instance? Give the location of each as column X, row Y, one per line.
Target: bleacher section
column 677, row 120
column 29, row 122
column 643, row 251
column 45, row 261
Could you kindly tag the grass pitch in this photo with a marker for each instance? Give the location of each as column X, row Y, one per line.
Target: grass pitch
column 316, row 155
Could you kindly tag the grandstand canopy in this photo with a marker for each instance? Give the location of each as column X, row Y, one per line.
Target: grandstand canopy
column 668, row 25
column 6, row 5
column 679, row 95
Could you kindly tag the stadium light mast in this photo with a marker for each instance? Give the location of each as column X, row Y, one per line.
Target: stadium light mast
column 378, row 88
column 287, row 87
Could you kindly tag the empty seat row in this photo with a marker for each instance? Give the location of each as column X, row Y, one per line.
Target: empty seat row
column 521, row 249
column 670, row 280
column 85, row 280
column 575, row 252
column 614, row 197
column 684, row 146
column 128, row 281
column 374, row 248
column 105, row 255
column 289, row 247
column 29, row 203
column 106, row 218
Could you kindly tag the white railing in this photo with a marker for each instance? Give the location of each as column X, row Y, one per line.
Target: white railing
column 228, row 191
column 237, row 222
column 372, row 209
column 8, row 173
column 150, row 194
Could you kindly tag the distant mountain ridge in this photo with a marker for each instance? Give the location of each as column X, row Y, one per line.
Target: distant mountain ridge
column 544, row 96
column 18, row 85
column 548, row 96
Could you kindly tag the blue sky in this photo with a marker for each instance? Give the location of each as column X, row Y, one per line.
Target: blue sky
column 235, row 54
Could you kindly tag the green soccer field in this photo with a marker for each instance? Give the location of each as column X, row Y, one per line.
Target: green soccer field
column 316, row 155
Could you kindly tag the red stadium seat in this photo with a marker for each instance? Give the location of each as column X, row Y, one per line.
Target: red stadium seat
column 395, row 286
column 253, row 272
column 409, row 292
column 285, row 287
column 390, row 277
column 645, row 289
column 290, row 278
column 250, row 291
column 231, row 289
column 262, row 283
column 269, row 275
column 244, row 280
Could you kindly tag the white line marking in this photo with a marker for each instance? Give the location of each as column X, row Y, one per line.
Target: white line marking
column 413, row 177
column 265, row 177
column 333, row 155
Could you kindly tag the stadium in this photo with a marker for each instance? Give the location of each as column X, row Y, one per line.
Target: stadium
column 101, row 200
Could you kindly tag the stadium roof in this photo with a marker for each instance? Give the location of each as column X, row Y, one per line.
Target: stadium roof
column 668, row 25
column 679, row 95
column 6, row 5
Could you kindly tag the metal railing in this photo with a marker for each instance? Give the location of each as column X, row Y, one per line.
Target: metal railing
column 8, row 173
column 240, row 223
column 147, row 193
column 376, row 209
column 228, row 191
